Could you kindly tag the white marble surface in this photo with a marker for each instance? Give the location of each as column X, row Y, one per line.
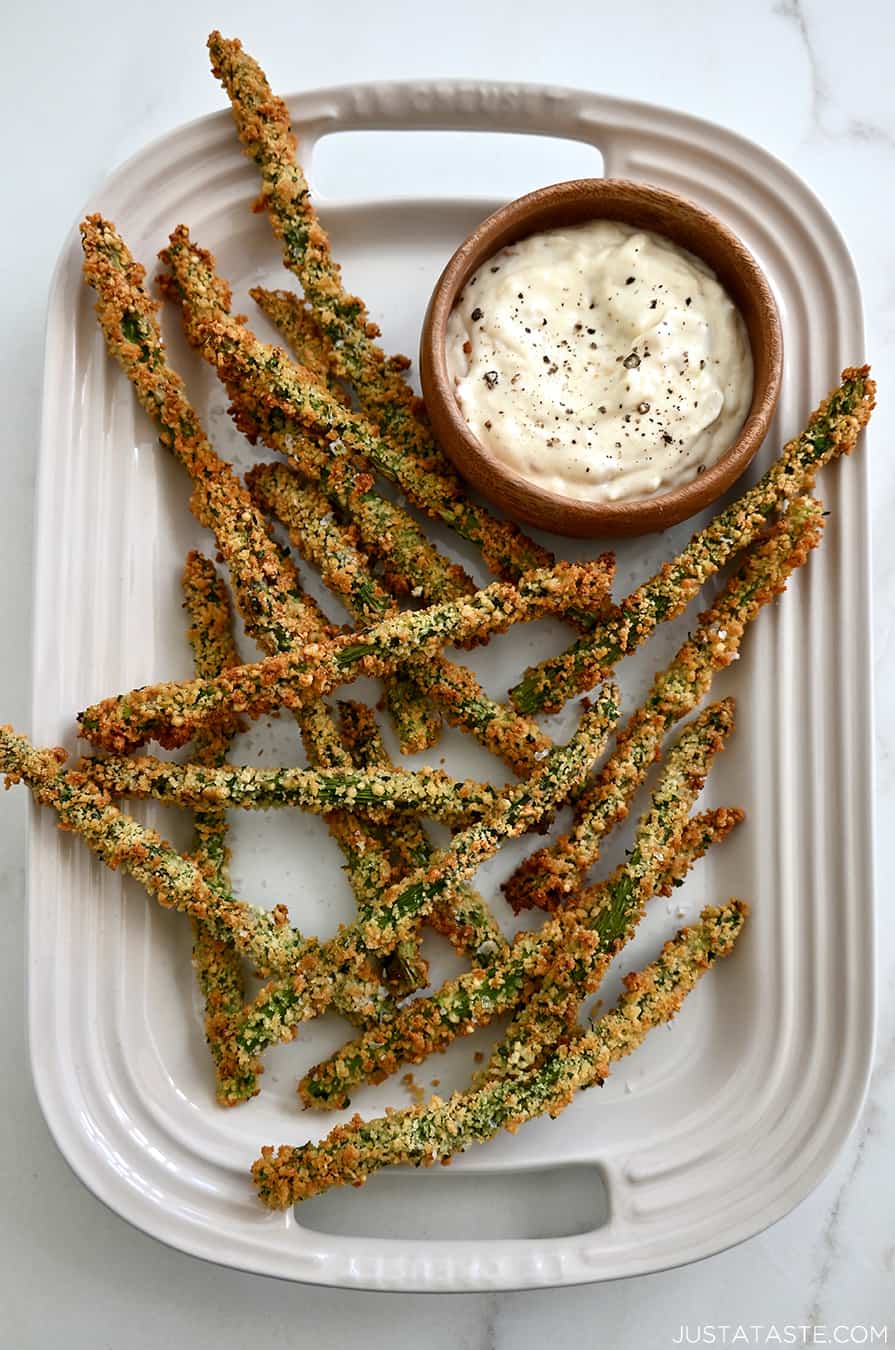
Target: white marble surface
column 83, row 87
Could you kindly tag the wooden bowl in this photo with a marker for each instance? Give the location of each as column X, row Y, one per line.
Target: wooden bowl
column 644, row 207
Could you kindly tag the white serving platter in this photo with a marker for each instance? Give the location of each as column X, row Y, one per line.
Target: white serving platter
column 719, row 1125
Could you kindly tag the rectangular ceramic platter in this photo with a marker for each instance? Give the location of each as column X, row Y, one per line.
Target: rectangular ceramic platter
column 717, row 1126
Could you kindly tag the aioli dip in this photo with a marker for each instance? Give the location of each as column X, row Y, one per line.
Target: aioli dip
column 601, row 362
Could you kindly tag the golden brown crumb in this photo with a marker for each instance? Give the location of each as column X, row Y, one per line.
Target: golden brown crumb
column 416, row 1093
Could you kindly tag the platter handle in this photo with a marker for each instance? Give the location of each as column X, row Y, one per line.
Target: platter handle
column 460, row 105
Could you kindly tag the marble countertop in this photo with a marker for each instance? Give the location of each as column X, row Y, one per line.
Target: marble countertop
column 82, row 90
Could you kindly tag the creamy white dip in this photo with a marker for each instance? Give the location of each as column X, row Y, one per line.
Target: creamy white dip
column 600, row 362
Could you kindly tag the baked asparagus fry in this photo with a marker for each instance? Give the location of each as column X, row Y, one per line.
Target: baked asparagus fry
column 267, row 381
column 266, row 586
column 547, row 1016
column 177, row 882
column 475, row 997
column 374, row 792
column 295, row 322
column 174, row 712
column 549, row 876
column 404, row 970
column 333, row 549
column 217, row 963
column 319, row 975
column 278, row 1010
column 337, row 467
column 318, row 537
column 207, row 603
column 832, row 430
column 415, row 460
column 435, row 1132
column 417, row 722
column 521, row 807
column 462, row 916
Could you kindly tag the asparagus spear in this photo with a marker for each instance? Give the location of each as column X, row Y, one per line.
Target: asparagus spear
column 436, row 1132
column 284, row 1004
column 268, row 593
column 301, row 332
column 521, row 807
column 832, row 430
column 404, row 970
column 550, row 875
column 375, row 792
column 266, row 586
column 544, row 1020
column 217, row 963
column 477, row 996
column 174, row 712
column 463, row 916
column 333, row 549
column 207, row 602
column 419, row 466
column 321, row 974
column 335, row 466
column 177, row 882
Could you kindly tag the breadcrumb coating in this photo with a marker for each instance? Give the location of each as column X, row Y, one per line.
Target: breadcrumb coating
column 172, row 713
column 283, row 1005
column 832, row 430
column 378, row 793
column 217, row 962
column 596, row 924
column 207, row 602
column 296, row 324
column 404, row 970
column 266, row 585
column 315, row 533
column 550, row 875
column 416, row 461
column 337, row 465
column 462, row 916
column 423, row 1135
column 333, row 548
